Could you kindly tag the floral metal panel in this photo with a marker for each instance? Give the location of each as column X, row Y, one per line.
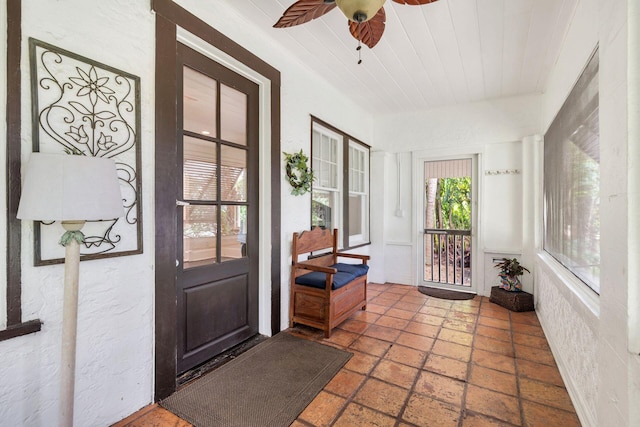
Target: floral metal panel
column 83, row 107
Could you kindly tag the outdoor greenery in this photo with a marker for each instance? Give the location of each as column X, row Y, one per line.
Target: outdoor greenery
column 452, row 207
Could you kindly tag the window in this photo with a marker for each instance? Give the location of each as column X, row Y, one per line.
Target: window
column 340, row 195
column 572, row 181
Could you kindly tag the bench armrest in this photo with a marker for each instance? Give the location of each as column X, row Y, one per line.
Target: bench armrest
column 312, row 267
column 358, row 256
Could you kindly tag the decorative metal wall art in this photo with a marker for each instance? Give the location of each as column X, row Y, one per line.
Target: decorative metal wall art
column 80, row 106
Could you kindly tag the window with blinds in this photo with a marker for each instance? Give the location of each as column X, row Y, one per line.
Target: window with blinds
column 572, row 181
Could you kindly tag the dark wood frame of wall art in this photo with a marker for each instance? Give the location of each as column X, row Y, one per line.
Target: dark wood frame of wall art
column 168, row 17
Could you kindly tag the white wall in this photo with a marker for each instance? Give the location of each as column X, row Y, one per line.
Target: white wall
column 115, row 316
column 589, row 334
column 493, row 130
column 398, row 218
column 502, row 197
column 115, row 336
column 462, row 126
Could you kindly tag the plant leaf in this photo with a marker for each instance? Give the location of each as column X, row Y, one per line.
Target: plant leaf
column 369, row 32
column 303, row 11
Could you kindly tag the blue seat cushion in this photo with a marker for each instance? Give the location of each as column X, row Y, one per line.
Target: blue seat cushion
column 355, row 269
column 318, row 280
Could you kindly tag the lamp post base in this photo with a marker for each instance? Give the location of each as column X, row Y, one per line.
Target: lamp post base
column 69, row 324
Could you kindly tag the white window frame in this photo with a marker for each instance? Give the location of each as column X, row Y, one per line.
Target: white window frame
column 343, row 189
column 361, row 190
column 316, row 165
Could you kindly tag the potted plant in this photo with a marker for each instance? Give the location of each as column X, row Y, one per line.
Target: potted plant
column 510, row 272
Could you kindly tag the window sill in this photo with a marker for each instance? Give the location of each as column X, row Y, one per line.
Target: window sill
column 20, row 329
column 357, row 245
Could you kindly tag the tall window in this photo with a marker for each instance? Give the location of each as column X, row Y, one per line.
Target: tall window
column 358, row 194
column 572, row 181
column 340, row 196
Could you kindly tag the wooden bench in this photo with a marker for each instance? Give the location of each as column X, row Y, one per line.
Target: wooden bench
column 324, row 292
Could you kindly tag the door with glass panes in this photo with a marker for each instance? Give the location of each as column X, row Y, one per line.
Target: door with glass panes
column 217, row 229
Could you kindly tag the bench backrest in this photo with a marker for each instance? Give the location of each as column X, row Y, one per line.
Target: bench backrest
column 315, row 240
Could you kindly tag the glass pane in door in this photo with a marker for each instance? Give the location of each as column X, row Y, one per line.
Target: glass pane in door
column 234, row 232
column 199, row 103
column 200, row 178
column 234, row 174
column 233, row 115
column 199, row 235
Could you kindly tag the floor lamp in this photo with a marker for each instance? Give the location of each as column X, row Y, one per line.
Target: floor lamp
column 71, row 189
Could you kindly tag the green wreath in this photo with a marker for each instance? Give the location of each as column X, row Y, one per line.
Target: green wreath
column 300, row 176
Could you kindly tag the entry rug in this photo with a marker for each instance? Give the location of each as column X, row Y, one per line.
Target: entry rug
column 269, row 385
column 445, row 294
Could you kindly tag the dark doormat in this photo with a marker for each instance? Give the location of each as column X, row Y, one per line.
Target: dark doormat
column 226, row 357
column 445, row 293
column 269, row 385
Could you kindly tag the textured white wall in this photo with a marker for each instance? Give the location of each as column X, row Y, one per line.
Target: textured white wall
column 589, row 334
column 115, row 336
column 115, row 317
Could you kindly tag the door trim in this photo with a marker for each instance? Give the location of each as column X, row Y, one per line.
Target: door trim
column 170, row 16
column 419, row 158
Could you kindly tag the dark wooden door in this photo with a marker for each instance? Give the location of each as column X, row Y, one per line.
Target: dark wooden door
column 217, row 262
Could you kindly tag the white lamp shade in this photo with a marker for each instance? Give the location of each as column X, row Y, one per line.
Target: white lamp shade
column 351, row 8
column 63, row 187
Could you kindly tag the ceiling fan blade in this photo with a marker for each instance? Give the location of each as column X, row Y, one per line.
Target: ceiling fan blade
column 414, row 2
column 369, row 32
column 304, row 11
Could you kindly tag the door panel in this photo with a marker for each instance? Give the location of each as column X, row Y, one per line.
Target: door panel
column 217, row 289
column 225, row 298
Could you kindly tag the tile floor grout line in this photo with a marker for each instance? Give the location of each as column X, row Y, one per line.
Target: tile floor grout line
column 367, row 376
column 517, row 372
column 417, row 376
column 463, row 403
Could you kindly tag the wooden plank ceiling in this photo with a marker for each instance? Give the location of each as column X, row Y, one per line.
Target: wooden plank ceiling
column 445, row 53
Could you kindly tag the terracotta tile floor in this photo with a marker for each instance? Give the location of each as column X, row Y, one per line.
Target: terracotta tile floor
column 422, row 361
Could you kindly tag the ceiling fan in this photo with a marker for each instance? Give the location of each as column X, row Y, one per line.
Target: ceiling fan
column 366, row 17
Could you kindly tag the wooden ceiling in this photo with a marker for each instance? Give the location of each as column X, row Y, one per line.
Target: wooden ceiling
column 440, row 54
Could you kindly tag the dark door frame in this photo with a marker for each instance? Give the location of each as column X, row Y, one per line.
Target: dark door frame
column 168, row 17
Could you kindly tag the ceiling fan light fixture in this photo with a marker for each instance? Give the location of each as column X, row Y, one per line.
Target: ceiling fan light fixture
column 360, row 10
